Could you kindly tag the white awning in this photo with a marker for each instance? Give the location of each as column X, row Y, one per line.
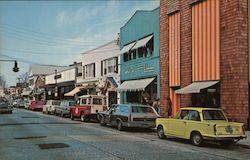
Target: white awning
column 142, row 42
column 26, row 93
column 196, row 87
column 127, row 47
column 135, row 85
column 73, row 92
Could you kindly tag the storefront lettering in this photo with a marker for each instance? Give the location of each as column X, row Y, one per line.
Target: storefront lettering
column 141, row 67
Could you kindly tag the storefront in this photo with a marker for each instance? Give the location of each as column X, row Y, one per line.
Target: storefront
column 140, row 79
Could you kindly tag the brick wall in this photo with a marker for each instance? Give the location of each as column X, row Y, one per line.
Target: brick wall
column 234, row 59
column 164, row 56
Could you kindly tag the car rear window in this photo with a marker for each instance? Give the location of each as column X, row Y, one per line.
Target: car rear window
column 97, row 101
column 141, row 109
column 213, row 115
column 55, row 103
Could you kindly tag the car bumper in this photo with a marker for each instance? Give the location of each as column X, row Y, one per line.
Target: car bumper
column 6, row 110
column 225, row 137
column 141, row 124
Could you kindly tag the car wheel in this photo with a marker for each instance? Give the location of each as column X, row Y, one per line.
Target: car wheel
column 83, row 118
column 196, row 139
column 102, row 121
column 119, row 125
column 71, row 116
column 160, row 132
column 10, row 112
column 62, row 115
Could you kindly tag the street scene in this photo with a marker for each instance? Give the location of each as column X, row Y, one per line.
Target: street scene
column 110, row 79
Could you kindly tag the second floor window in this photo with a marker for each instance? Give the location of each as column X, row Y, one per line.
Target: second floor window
column 109, row 66
column 89, row 71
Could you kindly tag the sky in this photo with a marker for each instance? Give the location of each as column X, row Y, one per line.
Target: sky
column 57, row 32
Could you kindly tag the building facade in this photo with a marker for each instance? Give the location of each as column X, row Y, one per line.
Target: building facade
column 205, row 55
column 101, row 72
column 140, row 70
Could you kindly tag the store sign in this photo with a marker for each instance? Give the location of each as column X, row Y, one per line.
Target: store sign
column 140, row 68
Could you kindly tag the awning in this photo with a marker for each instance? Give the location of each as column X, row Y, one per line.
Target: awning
column 142, row 42
column 127, row 47
column 26, row 93
column 73, row 92
column 196, row 87
column 135, row 85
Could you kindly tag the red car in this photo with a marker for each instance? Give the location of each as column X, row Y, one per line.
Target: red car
column 87, row 107
column 37, row 105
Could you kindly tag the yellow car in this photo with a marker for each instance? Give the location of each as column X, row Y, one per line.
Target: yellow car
column 200, row 124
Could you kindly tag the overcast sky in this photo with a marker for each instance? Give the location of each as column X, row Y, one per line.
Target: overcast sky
column 57, row 32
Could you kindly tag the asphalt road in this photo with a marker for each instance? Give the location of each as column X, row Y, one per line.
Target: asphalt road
column 27, row 135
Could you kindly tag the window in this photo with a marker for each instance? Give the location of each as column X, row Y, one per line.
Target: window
column 110, row 66
column 72, row 103
column 31, row 82
column 84, row 101
column 183, row 114
column 150, row 46
column 125, row 57
column 79, row 71
column 89, row 71
column 142, row 52
column 140, row 109
column 97, row 101
column 124, row 109
column 194, row 116
column 213, row 115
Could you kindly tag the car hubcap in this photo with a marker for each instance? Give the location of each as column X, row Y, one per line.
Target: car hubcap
column 160, row 132
column 197, row 139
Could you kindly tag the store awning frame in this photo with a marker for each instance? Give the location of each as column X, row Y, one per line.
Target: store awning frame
column 142, row 42
column 73, row 92
column 126, row 48
column 135, row 85
column 196, row 87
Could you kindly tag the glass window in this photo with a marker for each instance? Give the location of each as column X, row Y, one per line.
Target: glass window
column 84, row 101
column 141, row 109
column 183, row 115
column 125, row 57
column 110, row 66
column 213, row 115
column 124, row 109
column 89, row 71
column 194, row 116
column 97, row 101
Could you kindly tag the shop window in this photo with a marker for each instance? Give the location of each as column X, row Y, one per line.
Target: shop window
column 150, row 47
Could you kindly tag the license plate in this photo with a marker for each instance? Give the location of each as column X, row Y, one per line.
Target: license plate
column 229, row 129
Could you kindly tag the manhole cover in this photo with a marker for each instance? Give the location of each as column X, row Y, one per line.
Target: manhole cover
column 29, row 117
column 52, row 145
column 31, row 137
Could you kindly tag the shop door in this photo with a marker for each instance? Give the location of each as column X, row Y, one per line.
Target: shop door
column 112, row 98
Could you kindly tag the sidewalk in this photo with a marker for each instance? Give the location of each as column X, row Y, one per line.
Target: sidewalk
column 245, row 143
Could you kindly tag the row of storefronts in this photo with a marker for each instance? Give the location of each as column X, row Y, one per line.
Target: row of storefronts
column 193, row 52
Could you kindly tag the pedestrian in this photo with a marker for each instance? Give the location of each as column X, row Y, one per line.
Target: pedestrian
column 156, row 105
column 169, row 107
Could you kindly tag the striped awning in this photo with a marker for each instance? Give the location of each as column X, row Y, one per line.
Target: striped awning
column 135, row 85
column 142, row 42
column 127, row 47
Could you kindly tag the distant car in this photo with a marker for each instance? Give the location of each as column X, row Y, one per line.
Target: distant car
column 37, row 105
column 129, row 115
column 50, row 106
column 19, row 103
column 199, row 125
column 87, row 107
column 27, row 103
column 5, row 107
column 64, row 108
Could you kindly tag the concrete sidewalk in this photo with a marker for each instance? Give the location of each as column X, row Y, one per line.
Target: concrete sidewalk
column 245, row 143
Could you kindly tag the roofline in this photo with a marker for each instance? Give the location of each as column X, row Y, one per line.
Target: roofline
column 136, row 13
column 98, row 47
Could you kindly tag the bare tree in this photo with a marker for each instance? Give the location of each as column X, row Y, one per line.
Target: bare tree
column 23, row 78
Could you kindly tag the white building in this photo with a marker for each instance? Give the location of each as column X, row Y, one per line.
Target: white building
column 101, row 71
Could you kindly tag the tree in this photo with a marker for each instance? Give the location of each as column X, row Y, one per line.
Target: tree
column 23, row 78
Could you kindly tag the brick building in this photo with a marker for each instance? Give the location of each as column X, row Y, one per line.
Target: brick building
column 204, row 55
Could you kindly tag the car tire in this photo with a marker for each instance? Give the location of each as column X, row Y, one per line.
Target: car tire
column 102, row 121
column 71, row 116
column 160, row 132
column 196, row 139
column 82, row 117
column 10, row 112
column 119, row 125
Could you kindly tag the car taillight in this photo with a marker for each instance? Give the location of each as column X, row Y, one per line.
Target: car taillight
column 215, row 130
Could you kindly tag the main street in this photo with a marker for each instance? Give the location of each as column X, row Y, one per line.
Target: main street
column 22, row 132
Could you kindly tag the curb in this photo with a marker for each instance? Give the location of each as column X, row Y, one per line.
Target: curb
column 244, row 145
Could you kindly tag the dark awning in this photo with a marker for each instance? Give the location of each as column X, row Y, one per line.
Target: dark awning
column 196, row 87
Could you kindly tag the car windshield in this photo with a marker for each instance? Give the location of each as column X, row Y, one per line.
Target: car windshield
column 213, row 115
column 72, row 103
column 141, row 109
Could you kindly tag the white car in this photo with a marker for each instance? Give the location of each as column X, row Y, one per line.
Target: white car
column 50, row 106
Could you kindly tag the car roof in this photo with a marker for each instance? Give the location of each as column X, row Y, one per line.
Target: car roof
column 133, row 104
column 199, row 108
column 95, row 96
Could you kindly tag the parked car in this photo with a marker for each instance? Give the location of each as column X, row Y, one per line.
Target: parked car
column 64, row 108
column 199, row 125
column 5, row 107
column 87, row 107
column 50, row 106
column 37, row 105
column 129, row 115
column 27, row 103
column 19, row 103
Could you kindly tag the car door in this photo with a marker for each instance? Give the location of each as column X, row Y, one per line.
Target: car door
column 177, row 125
column 193, row 122
column 114, row 114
